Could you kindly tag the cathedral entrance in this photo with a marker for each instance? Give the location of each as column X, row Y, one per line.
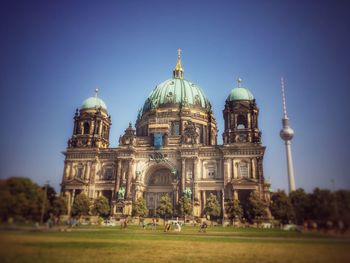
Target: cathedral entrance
column 159, row 183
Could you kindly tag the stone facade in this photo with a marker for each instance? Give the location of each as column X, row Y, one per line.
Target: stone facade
column 173, row 149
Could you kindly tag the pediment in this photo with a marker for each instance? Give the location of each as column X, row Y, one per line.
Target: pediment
column 76, row 181
column 244, row 180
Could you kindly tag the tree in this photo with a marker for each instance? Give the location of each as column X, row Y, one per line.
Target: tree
column 101, row 206
column 322, row 205
column 140, row 208
column 300, row 202
column 185, row 206
column 256, row 207
column 342, row 206
column 165, row 207
column 6, row 205
column 21, row 199
column 81, row 205
column 59, row 206
column 234, row 210
column 281, row 207
column 212, row 206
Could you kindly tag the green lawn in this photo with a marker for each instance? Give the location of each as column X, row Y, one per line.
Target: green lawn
column 112, row 244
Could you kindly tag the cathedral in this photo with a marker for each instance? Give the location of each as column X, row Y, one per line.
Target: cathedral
column 171, row 150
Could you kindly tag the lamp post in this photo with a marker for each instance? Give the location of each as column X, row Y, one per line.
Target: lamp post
column 44, row 203
column 192, row 200
column 223, row 206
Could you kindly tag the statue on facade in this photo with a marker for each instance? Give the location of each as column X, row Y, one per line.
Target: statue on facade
column 187, row 193
column 121, row 193
column 190, row 134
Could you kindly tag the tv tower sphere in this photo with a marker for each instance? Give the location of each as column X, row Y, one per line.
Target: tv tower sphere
column 287, row 133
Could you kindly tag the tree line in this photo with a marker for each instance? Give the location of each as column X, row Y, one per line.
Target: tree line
column 23, row 200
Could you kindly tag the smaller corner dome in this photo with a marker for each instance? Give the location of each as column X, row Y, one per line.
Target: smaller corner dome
column 93, row 103
column 240, row 93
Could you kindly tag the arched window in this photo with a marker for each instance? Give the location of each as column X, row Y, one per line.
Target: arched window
column 175, row 128
column 108, row 173
column 79, row 171
column 104, row 132
column 243, row 169
column 241, row 122
column 86, row 128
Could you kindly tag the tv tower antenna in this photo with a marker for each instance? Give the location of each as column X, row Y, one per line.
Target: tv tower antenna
column 287, row 134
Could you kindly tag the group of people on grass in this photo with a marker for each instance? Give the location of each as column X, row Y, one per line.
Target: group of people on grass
column 173, row 226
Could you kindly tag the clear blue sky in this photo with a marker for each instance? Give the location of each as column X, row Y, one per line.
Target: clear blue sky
column 52, row 56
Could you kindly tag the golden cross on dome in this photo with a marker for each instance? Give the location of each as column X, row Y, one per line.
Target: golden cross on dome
column 179, row 52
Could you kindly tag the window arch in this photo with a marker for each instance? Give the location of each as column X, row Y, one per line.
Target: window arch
column 175, row 128
column 86, row 128
column 241, row 122
column 108, row 173
column 79, row 171
column 243, row 169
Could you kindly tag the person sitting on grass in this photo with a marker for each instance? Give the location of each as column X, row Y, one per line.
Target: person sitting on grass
column 203, row 227
column 177, row 227
column 167, row 227
column 154, row 224
column 124, row 224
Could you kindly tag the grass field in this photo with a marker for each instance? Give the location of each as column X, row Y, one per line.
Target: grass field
column 112, row 244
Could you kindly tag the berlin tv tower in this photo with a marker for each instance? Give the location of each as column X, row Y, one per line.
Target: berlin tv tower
column 287, row 134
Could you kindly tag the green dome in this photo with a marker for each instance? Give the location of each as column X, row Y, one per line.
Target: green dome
column 176, row 91
column 93, row 102
column 240, row 94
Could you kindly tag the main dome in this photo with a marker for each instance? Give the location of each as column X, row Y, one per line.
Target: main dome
column 176, row 91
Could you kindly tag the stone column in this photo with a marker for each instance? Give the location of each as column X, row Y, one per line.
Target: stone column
column 195, row 178
column 73, row 196
column 228, row 121
column 235, row 194
column 92, row 127
column 87, row 171
column 183, row 174
column 100, row 128
column 66, row 171
column 260, row 169
column 253, row 175
column 233, row 169
column 129, row 179
column 117, row 178
column 81, row 127
column 226, row 170
column 204, row 196
column 69, row 202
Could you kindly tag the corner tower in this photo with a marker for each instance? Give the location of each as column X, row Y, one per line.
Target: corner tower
column 241, row 117
column 91, row 124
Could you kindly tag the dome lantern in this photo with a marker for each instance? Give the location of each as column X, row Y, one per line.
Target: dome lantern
column 178, row 71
